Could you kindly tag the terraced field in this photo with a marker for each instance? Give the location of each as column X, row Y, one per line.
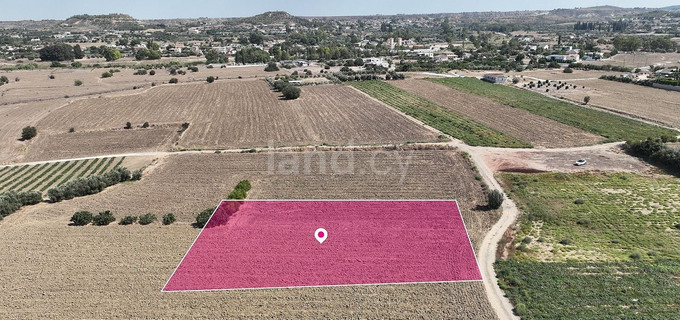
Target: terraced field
column 42, row 177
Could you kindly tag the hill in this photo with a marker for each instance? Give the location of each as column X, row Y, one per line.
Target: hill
column 274, row 17
column 108, row 21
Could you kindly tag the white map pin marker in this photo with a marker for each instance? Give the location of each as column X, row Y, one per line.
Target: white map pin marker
column 321, row 234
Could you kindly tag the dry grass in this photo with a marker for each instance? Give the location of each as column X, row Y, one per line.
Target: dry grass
column 12, row 119
column 53, row 270
column 649, row 103
column 98, row 143
column 641, row 59
column 537, row 130
column 247, row 114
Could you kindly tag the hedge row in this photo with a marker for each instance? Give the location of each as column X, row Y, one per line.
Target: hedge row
column 82, row 218
column 90, row 185
column 11, row 201
column 656, row 151
column 240, row 192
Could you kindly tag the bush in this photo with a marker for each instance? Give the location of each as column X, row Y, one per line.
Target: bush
column 81, row 218
column 28, row 133
column 29, row 198
column 107, row 75
column 271, row 67
column 169, row 219
column 128, row 125
column 586, row 99
column 210, row 79
column 9, row 203
column 279, row 85
column 291, row 92
column 76, row 64
column 568, row 70
column 237, row 194
column 565, row 241
column 579, row 201
column 243, row 185
column 193, row 69
column 526, row 240
column 136, row 175
column 77, row 83
column 636, row 256
column 173, row 80
column 103, row 218
column 88, row 185
column 495, row 199
column 127, row 220
column 148, row 218
column 145, row 125
column 140, row 72
column 203, row 217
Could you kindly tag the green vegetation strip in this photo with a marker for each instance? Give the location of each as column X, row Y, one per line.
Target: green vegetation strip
column 35, row 170
column 596, row 246
column 73, row 173
column 10, row 184
column 39, row 176
column 87, row 169
column 12, row 174
column 119, row 162
column 4, row 170
column 436, row 116
column 59, row 176
column 106, row 166
column 96, row 168
column 62, row 165
column 611, row 126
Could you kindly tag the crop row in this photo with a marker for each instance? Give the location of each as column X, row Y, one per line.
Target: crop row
column 447, row 121
column 48, row 175
column 609, row 125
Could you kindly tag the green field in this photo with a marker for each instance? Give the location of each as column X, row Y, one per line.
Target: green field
column 594, row 246
column 48, row 175
column 447, row 121
column 608, row 125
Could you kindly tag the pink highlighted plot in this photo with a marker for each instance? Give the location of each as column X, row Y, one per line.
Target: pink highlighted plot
column 273, row 244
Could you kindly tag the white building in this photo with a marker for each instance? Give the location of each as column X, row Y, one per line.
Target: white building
column 495, row 78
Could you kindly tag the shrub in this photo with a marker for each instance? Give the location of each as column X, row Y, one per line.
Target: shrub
column 128, row 125
column 107, row 75
column 29, row 198
column 148, row 218
column 145, row 125
column 279, row 85
column 173, row 80
column 184, row 127
column 9, row 203
column 579, row 201
column 28, row 133
column 495, row 199
column 203, row 217
column 237, row 194
column 103, row 218
column 271, row 67
column 140, row 72
column 565, row 241
column 568, row 70
column 76, row 64
column 127, row 220
column 636, row 256
column 78, row 83
column 169, row 219
column 81, row 218
column 136, row 175
column 51, row 76
column 583, row 222
column 210, row 79
column 677, row 226
column 243, row 185
column 193, row 69
column 586, row 99
column 526, row 240
column 291, row 92
column 152, row 72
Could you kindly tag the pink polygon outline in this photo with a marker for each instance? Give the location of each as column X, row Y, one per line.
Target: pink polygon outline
column 330, row 285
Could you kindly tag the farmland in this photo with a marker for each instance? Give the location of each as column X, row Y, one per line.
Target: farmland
column 231, row 114
column 197, row 181
column 610, row 126
column 657, row 105
column 446, row 120
column 612, row 231
column 515, row 122
column 41, row 177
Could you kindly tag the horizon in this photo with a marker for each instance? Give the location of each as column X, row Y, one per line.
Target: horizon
column 176, row 9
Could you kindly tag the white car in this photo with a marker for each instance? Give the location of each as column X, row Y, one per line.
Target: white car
column 580, row 162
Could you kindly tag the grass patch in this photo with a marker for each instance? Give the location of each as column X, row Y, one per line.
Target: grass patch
column 447, row 121
column 612, row 127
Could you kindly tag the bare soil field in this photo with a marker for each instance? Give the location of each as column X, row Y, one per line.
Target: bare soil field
column 36, row 85
column 54, row 270
column 537, row 130
column 247, row 114
column 95, row 143
column 558, row 74
column 641, row 59
column 653, row 104
column 602, row 159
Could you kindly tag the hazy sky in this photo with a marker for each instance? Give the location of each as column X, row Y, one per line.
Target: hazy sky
column 142, row 9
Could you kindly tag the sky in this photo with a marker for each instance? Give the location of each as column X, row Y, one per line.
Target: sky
column 144, row 9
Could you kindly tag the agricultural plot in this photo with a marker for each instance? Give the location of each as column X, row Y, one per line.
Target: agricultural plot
column 608, row 125
column 99, row 143
column 247, row 114
column 537, row 130
column 14, row 118
column 446, row 120
column 653, row 104
column 61, row 259
column 42, row 177
column 612, row 231
column 641, row 59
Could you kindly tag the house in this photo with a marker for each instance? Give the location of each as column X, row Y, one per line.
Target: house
column 495, row 78
column 375, row 61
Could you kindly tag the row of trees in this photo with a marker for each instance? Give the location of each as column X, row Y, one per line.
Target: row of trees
column 240, row 192
column 92, row 184
column 656, row 151
column 104, row 218
column 11, row 201
column 290, row 92
column 60, row 52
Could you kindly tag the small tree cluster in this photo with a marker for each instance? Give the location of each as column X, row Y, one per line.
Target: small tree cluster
column 173, row 80
column 128, row 220
column 240, row 192
column 210, row 79
column 81, row 218
column 271, row 67
column 495, row 199
column 169, row 219
column 28, row 133
column 103, row 218
column 147, row 219
column 11, row 201
column 203, row 217
column 89, row 185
